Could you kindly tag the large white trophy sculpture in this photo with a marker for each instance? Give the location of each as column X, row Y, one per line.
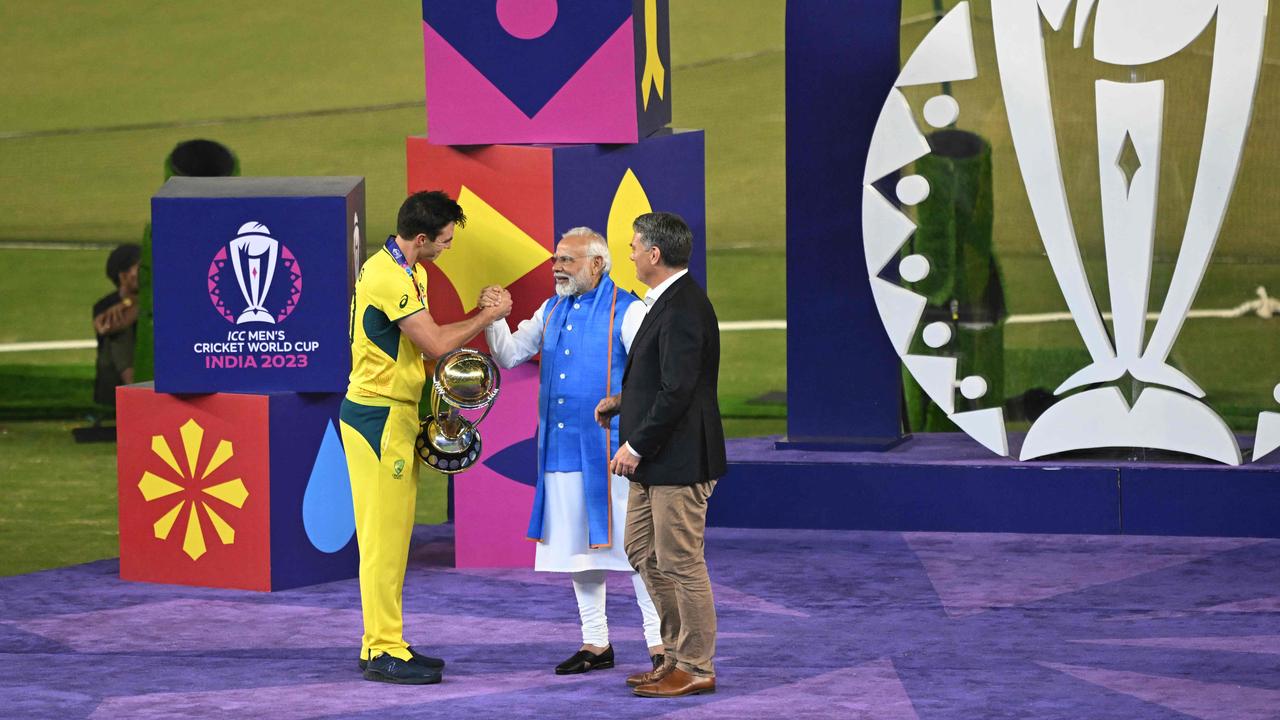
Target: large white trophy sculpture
column 253, row 256
column 1167, row 413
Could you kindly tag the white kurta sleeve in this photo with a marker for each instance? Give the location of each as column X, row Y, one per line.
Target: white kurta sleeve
column 511, row 349
column 631, row 320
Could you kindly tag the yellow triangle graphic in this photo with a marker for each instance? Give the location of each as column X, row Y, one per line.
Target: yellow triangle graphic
column 629, row 202
column 193, row 543
column 232, row 492
column 165, row 523
column 226, row 533
column 220, row 455
column 153, row 486
column 160, row 447
column 490, row 250
column 192, row 438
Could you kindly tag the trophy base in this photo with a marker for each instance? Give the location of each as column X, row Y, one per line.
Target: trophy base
column 1160, row 419
column 252, row 315
column 445, row 454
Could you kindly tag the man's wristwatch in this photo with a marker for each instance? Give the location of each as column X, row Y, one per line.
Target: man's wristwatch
column 127, row 302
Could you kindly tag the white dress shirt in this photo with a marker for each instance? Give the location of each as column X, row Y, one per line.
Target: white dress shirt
column 654, row 293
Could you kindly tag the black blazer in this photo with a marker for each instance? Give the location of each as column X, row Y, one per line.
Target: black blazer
column 670, row 414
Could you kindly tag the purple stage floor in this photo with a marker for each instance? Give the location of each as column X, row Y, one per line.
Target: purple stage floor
column 813, row 623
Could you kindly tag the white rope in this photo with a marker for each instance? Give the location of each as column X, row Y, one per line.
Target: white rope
column 1264, row 307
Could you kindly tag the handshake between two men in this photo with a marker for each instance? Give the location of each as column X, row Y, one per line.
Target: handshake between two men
column 625, row 461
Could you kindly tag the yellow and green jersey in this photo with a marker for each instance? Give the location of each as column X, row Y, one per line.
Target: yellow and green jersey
column 386, row 367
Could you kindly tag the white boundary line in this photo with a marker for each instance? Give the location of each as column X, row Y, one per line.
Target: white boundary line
column 1264, row 308
column 59, row 246
column 740, row 325
column 48, row 345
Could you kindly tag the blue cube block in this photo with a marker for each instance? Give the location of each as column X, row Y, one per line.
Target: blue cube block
column 252, row 280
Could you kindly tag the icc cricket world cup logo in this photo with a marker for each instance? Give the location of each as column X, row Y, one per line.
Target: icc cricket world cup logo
column 1168, row 411
column 258, row 263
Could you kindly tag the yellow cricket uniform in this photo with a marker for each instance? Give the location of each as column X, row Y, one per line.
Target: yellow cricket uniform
column 379, row 421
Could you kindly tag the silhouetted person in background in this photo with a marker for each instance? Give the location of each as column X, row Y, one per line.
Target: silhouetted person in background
column 115, row 318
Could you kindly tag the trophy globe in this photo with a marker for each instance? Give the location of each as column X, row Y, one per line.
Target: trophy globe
column 464, row 379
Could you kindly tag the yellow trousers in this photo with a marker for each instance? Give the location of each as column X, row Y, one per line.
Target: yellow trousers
column 379, row 443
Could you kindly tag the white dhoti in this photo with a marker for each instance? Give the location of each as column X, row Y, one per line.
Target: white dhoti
column 566, row 548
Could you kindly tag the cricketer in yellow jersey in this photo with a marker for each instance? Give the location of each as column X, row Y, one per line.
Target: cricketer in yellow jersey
column 391, row 332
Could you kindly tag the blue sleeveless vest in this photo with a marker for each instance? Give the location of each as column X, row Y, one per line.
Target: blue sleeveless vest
column 589, row 327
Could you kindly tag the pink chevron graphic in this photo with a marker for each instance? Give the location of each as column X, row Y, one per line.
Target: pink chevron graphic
column 593, row 106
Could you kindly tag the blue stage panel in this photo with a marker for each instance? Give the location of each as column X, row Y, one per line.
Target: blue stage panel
column 1205, row 500
column 842, row 59
column 312, row 514
column 670, row 167
column 930, row 482
column 946, row 482
column 252, row 281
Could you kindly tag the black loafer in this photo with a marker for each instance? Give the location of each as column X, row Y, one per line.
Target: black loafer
column 434, row 663
column 390, row 669
column 586, row 661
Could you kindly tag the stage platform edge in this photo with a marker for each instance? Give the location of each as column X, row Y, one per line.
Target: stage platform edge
column 945, row 482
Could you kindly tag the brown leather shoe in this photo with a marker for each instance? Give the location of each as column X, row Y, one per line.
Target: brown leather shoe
column 677, row 683
column 662, row 666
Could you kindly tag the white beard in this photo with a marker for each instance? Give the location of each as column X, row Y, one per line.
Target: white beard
column 571, row 285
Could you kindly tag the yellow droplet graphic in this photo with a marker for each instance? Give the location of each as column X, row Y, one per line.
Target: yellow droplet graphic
column 629, row 202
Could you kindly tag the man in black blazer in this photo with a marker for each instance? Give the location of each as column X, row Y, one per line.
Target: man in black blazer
column 673, row 451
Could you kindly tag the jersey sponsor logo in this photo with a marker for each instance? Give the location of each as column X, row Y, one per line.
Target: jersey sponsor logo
column 404, row 300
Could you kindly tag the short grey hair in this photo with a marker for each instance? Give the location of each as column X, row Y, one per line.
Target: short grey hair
column 596, row 244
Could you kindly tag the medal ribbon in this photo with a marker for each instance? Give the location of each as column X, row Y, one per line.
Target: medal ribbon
column 403, row 262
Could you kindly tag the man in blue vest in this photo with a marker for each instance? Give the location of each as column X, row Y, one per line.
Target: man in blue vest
column 579, row 510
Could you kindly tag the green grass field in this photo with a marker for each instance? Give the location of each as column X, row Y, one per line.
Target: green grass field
column 94, row 95
column 294, row 89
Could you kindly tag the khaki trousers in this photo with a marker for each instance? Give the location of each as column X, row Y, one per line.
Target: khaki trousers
column 665, row 526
